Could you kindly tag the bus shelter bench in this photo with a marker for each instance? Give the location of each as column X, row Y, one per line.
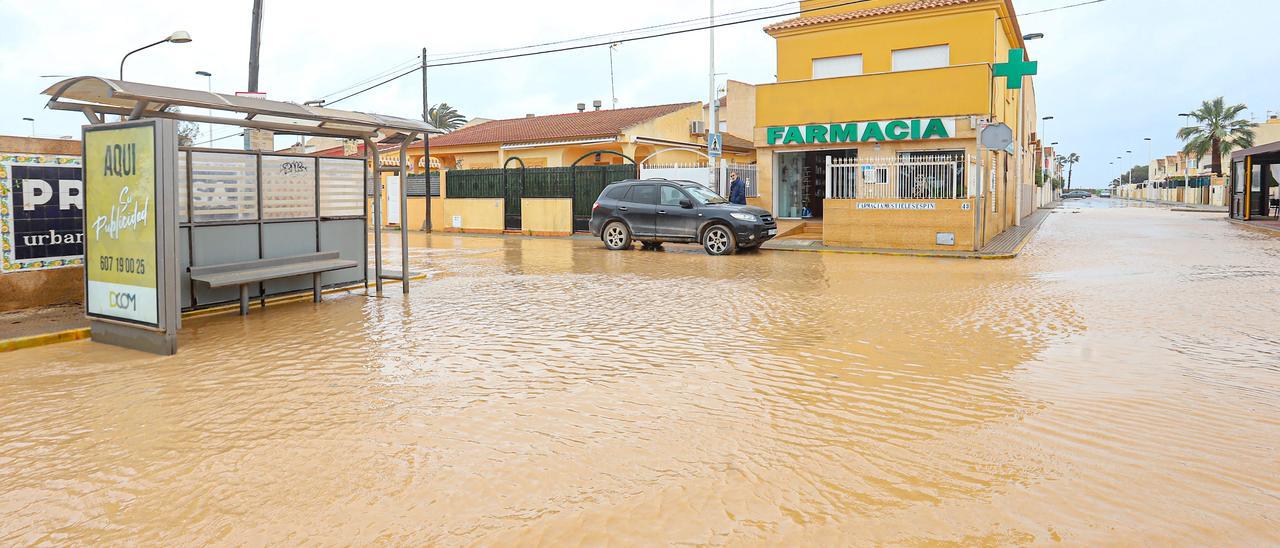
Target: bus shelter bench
column 261, row 270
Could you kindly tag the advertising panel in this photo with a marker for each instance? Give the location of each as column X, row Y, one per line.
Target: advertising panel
column 122, row 270
column 41, row 212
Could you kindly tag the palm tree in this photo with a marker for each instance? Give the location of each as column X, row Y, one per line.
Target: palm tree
column 445, row 117
column 1070, row 161
column 1217, row 132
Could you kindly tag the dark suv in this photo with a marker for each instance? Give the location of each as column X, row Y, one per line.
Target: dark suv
column 653, row 211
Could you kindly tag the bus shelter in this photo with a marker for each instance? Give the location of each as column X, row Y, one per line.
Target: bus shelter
column 198, row 217
column 1255, row 183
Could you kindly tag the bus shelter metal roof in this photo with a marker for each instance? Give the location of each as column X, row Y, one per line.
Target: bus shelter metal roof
column 95, row 96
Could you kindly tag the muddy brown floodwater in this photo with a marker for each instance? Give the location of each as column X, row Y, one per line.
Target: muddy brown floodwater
column 1118, row 383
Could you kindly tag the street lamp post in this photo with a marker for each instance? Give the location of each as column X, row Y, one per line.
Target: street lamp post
column 1122, row 183
column 178, row 37
column 1186, row 158
column 209, row 81
column 1022, row 136
column 33, row 124
column 1044, row 130
column 1150, row 179
column 1129, row 171
column 1054, row 163
column 1126, row 176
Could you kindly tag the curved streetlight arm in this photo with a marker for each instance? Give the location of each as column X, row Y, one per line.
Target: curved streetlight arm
column 126, row 56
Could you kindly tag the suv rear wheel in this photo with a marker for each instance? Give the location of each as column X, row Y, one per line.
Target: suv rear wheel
column 719, row 240
column 616, row 236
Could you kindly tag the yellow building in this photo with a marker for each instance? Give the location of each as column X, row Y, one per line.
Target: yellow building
column 871, row 131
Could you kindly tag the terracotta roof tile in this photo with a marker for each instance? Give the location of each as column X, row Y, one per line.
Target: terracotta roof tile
column 904, row 7
column 574, row 125
column 339, row 151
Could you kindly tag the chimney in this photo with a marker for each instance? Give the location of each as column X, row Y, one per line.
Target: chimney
column 582, row 107
column 597, row 104
column 529, row 115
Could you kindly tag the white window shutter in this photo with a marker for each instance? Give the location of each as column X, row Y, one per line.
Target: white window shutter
column 922, row 58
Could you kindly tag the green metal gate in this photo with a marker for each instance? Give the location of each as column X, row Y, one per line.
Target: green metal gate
column 588, row 183
column 581, row 183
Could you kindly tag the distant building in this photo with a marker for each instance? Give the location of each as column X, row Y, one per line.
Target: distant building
column 1181, row 178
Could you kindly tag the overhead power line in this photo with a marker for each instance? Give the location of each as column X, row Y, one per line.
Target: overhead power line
column 381, row 74
column 593, row 45
column 620, row 33
column 448, row 56
column 1047, row 10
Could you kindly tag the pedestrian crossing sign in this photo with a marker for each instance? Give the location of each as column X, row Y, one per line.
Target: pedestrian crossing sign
column 715, row 144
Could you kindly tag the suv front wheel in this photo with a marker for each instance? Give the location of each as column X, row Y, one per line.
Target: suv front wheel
column 719, row 240
column 616, row 236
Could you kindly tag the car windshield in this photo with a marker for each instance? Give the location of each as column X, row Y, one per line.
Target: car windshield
column 704, row 196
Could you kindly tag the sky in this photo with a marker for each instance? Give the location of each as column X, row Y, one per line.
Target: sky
column 1111, row 73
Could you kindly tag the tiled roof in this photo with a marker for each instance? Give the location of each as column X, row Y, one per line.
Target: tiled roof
column 860, row 14
column 339, row 152
column 574, row 125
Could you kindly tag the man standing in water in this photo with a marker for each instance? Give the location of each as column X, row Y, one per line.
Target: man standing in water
column 737, row 190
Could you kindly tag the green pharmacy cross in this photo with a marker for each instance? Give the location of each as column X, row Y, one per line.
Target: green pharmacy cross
column 1016, row 68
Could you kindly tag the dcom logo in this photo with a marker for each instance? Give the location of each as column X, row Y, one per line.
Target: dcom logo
column 122, row 301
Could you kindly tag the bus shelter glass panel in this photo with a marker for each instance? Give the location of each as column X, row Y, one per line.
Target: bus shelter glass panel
column 224, row 187
column 342, row 189
column 288, row 187
column 183, row 210
column 1257, row 202
column 1271, row 190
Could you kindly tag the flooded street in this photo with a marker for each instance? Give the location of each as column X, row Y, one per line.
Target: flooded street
column 1117, row 383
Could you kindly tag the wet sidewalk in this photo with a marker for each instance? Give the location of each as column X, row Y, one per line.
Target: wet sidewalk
column 1005, row 246
column 1267, row 226
column 33, row 321
column 1181, row 206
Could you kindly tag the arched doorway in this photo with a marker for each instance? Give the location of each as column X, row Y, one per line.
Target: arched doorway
column 512, row 191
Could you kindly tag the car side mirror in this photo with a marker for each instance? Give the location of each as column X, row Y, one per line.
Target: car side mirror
column 686, row 203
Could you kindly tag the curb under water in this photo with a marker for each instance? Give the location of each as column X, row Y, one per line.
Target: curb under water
column 80, row 333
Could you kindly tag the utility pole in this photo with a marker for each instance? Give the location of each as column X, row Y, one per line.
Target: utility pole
column 255, row 43
column 426, row 142
column 712, row 126
column 256, row 138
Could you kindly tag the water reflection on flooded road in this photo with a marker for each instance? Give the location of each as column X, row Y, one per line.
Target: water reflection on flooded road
column 1119, row 382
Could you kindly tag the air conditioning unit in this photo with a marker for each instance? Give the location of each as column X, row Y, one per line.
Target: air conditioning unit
column 697, row 127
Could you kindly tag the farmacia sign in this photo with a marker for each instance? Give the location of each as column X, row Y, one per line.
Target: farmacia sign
column 861, row 132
